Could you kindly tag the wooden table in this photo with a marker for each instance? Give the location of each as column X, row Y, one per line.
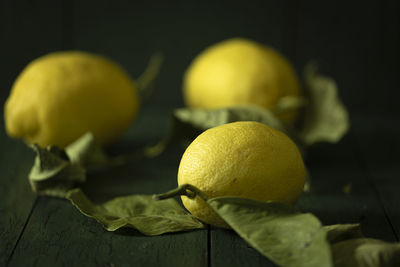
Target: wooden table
column 44, row 231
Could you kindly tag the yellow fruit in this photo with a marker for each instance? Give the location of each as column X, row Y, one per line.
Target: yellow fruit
column 239, row 71
column 60, row 96
column 242, row 159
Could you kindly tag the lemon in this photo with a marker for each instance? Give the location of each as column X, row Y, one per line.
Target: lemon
column 239, row 71
column 60, row 96
column 241, row 159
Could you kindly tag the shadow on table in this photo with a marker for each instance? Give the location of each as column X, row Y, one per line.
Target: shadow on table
column 140, row 176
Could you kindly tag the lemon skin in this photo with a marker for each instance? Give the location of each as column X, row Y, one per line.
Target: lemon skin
column 60, row 96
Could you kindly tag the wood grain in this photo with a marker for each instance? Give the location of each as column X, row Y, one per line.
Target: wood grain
column 341, row 192
column 228, row 249
column 58, row 235
column 17, row 198
column 377, row 139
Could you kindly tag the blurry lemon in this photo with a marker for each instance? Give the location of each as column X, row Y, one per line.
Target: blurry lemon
column 239, row 71
column 60, row 96
column 242, row 159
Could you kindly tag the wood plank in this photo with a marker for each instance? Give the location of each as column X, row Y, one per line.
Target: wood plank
column 58, row 235
column 228, row 249
column 16, row 197
column 332, row 169
column 378, row 130
column 378, row 140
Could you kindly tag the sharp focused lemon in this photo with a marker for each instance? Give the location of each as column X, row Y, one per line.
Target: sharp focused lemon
column 241, row 159
column 60, row 96
column 239, row 71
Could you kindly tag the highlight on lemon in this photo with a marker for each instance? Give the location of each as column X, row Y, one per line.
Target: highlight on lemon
column 62, row 95
column 239, row 71
column 241, row 159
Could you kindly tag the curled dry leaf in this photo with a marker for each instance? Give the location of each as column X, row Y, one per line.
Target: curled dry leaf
column 55, row 171
column 86, row 151
column 52, row 173
column 203, row 119
column 366, row 252
column 350, row 248
column 326, row 118
column 340, row 232
column 141, row 212
column 289, row 103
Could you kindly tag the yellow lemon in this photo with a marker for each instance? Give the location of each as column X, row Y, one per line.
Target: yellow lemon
column 239, row 71
column 60, row 96
column 241, row 159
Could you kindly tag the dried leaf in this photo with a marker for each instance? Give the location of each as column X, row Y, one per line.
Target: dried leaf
column 86, row 151
column 142, row 212
column 326, row 118
column 366, row 252
column 203, row 119
column 341, row 232
column 289, row 103
column 279, row 232
column 55, row 171
column 52, row 173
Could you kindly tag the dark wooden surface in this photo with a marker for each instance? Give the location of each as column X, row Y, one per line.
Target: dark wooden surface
column 355, row 44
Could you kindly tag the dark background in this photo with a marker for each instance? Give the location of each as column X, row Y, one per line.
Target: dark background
column 355, row 42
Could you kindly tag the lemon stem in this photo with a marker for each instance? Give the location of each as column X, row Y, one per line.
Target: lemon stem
column 184, row 190
column 145, row 81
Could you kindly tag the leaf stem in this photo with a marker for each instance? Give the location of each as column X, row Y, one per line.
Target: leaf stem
column 146, row 79
column 184, row 190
